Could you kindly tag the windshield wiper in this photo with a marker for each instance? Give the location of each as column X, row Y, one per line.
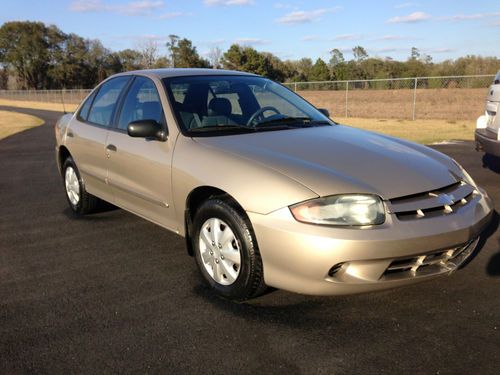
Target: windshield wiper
column 290, row 122
column 222, row 128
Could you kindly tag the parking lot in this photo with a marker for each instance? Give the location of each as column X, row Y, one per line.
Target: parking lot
column 114, row 293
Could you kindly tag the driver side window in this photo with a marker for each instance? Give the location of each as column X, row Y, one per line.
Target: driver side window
column 142, row 103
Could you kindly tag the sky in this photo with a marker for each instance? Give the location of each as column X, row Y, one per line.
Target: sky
column 290, row 29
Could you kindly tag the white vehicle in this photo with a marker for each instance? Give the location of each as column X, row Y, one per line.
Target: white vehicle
column 488, row 125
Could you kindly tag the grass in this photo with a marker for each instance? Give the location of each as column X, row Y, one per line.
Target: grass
column 58, row 107
column 12, row 123
column 441, row 115
column 431, row 104
column 420, row 131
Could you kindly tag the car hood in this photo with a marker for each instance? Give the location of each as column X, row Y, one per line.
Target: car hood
column 340, row 159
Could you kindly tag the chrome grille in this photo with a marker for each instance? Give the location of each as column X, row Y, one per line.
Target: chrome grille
column 434, row 203
column 427, row 264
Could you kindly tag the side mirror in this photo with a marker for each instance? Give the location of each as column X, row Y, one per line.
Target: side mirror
column 146, row 129
column 324, row 111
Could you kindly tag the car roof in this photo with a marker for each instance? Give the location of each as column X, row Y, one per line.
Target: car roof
column 183, row 72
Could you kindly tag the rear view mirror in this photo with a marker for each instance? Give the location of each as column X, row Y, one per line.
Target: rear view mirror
column 146, row 129
column 324, row 111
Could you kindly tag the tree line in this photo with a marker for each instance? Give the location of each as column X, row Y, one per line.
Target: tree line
column 34, row 55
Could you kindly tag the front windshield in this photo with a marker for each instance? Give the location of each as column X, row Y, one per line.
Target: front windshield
column 205, row 105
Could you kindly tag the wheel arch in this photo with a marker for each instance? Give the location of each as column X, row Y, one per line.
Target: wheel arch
column 194, row 200
column 62, row 155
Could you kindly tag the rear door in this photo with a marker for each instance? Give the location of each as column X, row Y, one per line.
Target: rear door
column 88, row 132
column 139, row 169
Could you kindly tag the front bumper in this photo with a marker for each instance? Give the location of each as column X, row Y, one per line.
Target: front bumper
column 487, row 141
column 319, row 260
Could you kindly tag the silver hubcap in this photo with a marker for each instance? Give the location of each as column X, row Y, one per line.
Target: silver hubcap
column 220, row 251
column 72, row 185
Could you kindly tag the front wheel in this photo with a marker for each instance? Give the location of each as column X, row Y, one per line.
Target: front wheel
column 226, row 250
column 79, row 200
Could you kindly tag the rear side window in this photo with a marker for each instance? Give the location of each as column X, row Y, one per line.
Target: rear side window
column 142, row 103
column 105, row 101
column 497, row 78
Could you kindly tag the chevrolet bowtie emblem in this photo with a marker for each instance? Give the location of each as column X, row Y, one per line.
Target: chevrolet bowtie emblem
column 445, row 199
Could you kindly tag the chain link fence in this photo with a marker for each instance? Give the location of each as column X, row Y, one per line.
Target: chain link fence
column 46, row 96
column 439, row 98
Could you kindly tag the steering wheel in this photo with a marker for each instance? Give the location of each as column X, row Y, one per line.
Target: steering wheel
column 260, row 114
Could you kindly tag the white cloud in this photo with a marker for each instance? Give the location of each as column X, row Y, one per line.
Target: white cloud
column 495, row 23
column 348, row 37
column 227, row 2
column 390, row 37
column 476, row 16
column 411, row 18
column 305, row 16
column 134, row 8
column 389, row 49
column 251, row 41
column 440, row 50
column 87, row 6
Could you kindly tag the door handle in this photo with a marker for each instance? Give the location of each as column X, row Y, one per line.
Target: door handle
column 111, row 148
column 69, row 134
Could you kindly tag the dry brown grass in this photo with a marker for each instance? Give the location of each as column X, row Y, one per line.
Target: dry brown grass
column 441, row 104
column 421, row 131
column 12, row 123
column 58, row 107
column 442, row 114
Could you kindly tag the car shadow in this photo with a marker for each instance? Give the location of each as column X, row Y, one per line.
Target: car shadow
column 487, row 233
column 493, row 266
column 491, row 162
column 267, row 308
column 101, row 208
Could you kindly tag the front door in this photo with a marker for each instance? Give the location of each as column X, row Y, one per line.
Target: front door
column 139, row 169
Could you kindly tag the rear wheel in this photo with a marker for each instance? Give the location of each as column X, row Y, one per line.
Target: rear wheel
column 79, row 200
column 226, row 251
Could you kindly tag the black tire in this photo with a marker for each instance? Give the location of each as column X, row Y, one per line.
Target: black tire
column 250, row 281
column 87, row 202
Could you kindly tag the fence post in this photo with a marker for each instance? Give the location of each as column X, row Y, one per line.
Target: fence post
column 295, row 87
column 346, row 98
column 415, row 99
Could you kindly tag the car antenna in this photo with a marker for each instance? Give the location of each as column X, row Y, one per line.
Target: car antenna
column 62, row 101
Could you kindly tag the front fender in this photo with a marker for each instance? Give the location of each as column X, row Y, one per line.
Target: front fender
column 256, row 187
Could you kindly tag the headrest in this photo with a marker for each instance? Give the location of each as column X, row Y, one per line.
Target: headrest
column 220, row 107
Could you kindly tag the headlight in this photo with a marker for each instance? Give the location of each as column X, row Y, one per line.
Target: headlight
column 351, row 209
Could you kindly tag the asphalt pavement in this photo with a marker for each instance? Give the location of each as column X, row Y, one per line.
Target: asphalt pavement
column 114, row 293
